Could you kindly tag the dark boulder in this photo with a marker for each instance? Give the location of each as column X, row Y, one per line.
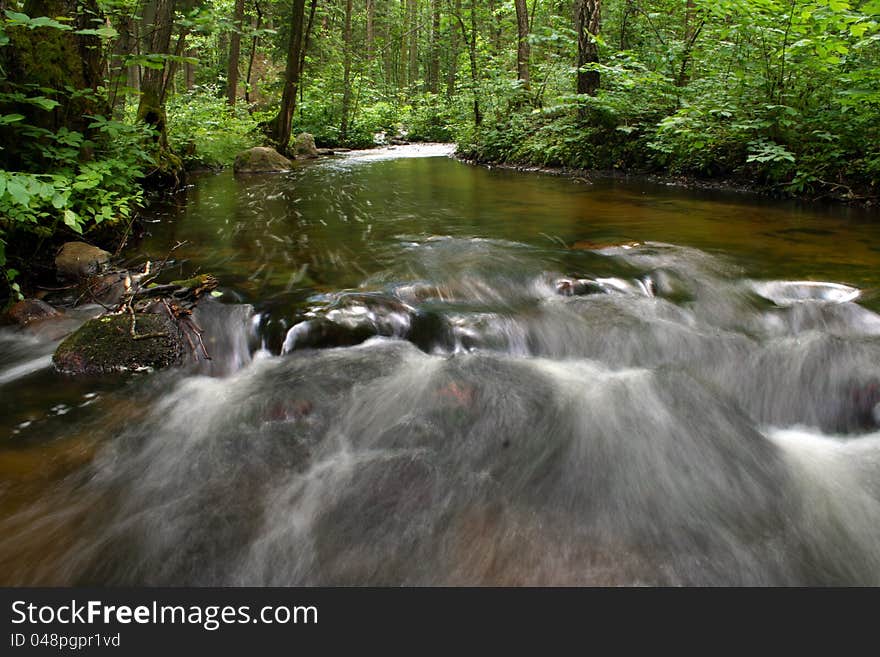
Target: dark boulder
column 78, row 260
column 29, row 311
column 578, row 286
column 354, row 317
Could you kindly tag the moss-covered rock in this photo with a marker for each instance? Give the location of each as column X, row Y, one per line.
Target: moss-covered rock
column 105, row 344
column 261, row 159
column 304, row 146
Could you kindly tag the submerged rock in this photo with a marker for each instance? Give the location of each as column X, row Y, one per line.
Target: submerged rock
column 261, row 159
column 353, row 318
column 323, row 333
column 787, row 293
column 304, row 146
column 105, row 344
column 568, row 287
column 77, row 260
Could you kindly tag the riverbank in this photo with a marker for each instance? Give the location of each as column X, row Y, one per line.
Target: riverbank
column 680, row 181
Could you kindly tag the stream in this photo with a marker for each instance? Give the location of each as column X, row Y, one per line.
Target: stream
column 428, row 373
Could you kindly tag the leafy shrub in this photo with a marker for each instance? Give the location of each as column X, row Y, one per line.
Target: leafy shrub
column 91, row 181
column 204, row 130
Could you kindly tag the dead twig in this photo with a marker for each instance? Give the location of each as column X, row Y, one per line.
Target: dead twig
column 132, row 329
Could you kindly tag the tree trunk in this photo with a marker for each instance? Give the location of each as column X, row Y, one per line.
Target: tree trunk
column 305, row 45
column 151, row 109
column 434, row 64
column 120, row 73
column 452, row 72
column 250, row 67
column 371, row 37
column 306, row 36
column 475, row 75
column 402, row 57
column 587, row 21
column 471, row 40
column 691, row 34
column 522, row 44
column 55, row 59
column 413, row 50
column 346, row 71
column 494, row 28
column 280, row 131
column 189, row 69
column 135, row 74
column 629, row 9
column 234, row 53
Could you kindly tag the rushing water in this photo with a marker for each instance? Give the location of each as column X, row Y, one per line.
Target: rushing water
column 428, row 373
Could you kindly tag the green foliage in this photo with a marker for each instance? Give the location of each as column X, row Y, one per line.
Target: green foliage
column 61, row 180
column 207, row 131
column 782, row 92
column 79, row 192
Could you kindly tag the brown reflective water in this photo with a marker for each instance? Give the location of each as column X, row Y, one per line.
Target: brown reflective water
column 405, row 391
column 344, row 220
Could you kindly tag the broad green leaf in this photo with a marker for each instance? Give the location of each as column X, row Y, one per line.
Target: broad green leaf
column 17, row 17
column 45, row 21
column 72, row 220
column 18, row 192
column 42, row 102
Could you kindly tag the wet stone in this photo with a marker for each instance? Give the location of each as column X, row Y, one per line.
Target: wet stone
column 352, row 318
column 28, row 311
column 304, row 146
column 77, row 260
column 105, row 345
column 261, row 159
column 568, row 287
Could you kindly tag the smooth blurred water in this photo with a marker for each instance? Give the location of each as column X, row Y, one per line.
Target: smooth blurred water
column 426, row 373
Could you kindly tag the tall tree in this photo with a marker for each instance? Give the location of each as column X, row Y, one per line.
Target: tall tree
column 234, row 53
column 158, row 24
column 346, row 70
column 189, row 69
column 522, row 43
column 370, row 35
column 258, row 23
column 51, row 59
column 588, row 14
column 470, row 38
column 452, row 71
column 412, row 18
column 692, row 30
column 433, row 82
column 280, row 129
